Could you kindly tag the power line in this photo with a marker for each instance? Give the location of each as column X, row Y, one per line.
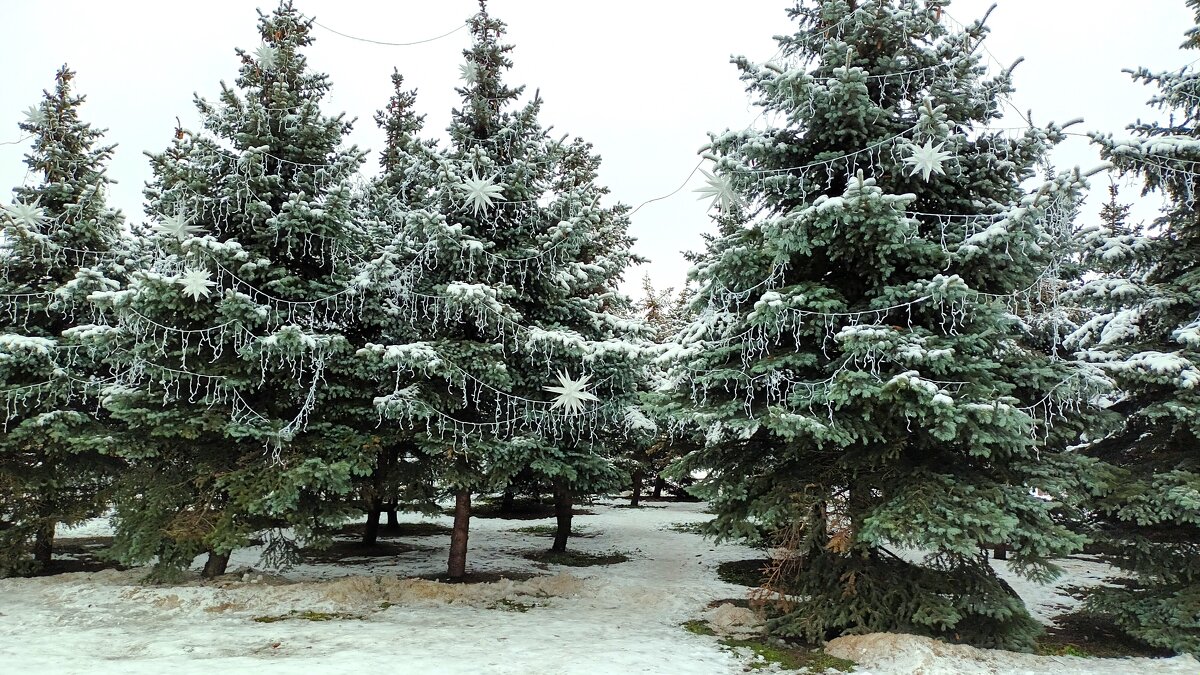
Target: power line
column 389, row 44
column 674, row 192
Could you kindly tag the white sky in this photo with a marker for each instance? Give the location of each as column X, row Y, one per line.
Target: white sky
column 643, row 80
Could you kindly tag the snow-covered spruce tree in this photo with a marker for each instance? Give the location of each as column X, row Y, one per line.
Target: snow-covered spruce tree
column 1146, row 335
column 518, row 288
column 665, row 312
column 240, row 393
column 58, row 239
column 862, row 386
column 404, row 476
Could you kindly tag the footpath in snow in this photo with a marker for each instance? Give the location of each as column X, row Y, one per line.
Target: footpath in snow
column 622, row 618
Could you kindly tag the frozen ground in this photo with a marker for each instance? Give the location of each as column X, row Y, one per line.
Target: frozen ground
column 622, row 618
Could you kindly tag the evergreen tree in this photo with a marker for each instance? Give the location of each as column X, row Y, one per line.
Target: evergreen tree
column 518, row 287
column 861, row 384
column 1115, row 214
column 58, row 239
column 665, row 312
column 404, row 475
column 1146, row 335
column 239, row 391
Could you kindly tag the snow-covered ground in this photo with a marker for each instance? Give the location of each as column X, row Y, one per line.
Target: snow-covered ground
column 622, row 618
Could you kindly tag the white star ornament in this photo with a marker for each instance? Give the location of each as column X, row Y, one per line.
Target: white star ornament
column 480, row 192
column 571, row 393
column 720, row 190
column 926, row 159
column 197, row 283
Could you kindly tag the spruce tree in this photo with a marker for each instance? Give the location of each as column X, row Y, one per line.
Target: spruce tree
column 58, row 245
column 239, row 391
column 861, row 385
column 1146, row 335
column 665, row 312
column 404, row 475
column 517, row 289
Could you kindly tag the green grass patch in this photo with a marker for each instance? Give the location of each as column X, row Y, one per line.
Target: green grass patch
column 743, row 572
column 1092, row 636
column 698, row 627
column 480, row 577
column 307, row 615
column 789, row 658
column 416, row 530
column 736, row 602
column 1060, row 649
column 576, row 558
column 352, row 552
column 521, row 509
column 551, row 530
column 400, row 530
column 511, row 606
column 688, row 528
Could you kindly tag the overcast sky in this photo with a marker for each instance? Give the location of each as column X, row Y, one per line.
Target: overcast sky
column 643, row 80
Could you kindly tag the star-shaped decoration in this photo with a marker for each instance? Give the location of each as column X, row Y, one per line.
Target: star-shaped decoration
column 926, row 159
column 35, row 116
column 29, row 216
column 197, row 283
column 571, row 394
column 469, row 72
column 480, row 192
column 720, row 190
column 267, row 56
column 176, row 226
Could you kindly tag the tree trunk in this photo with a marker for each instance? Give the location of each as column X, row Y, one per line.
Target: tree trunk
column 1000, row 552
column 636, row 498
column 371, row 529
column 659, row 484
column 215, row 565
column 393, row 523
column 384, row 462
column 43, row 545
column 562, row 511
column 458, row 538
column 506, row 501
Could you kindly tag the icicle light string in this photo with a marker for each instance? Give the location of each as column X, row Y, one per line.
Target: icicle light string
column 562, row 210
column 1052, row 219
column 212, row 338
column 763, row 335
column 722, row 163
column 1055, row 405
column 1188, row 180
column 1134, row 150
column 775, row 275
column 823, row 164
column 215, row 391
column 795, row 61
column 760, row 330
column 18, row 399
column 400, row 291
column 510, row 400
column 450, row 311
column 551, row 252
column 781, row 391
column 344, row 302
column 575, row 426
